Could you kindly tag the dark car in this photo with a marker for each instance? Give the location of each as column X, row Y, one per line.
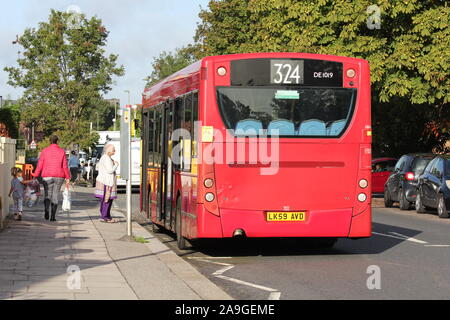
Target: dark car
column 433, row 189
column 401, row 185
column 381, row 169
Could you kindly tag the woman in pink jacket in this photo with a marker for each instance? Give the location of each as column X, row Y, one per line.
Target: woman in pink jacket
column 52, row 166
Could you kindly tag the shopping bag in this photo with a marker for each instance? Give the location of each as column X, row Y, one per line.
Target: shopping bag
column 67, row 202
column 30, row 196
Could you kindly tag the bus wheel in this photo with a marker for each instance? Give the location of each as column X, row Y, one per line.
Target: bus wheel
column 181, row 241
column 441, row 209
column 387, row 199
column 156, row 228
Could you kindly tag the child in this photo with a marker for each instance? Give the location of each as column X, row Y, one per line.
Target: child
column 17, row 190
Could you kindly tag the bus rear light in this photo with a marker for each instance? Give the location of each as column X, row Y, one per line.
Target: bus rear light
column 209, row 197
column 221, row 71
column 208, row 183
column 351, row 73
column 409, row 176
column 363, row 183
column 362, row 197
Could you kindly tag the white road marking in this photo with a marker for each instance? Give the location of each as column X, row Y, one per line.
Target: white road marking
column 408, row 238
column 437, row 245
column 274, row 293
column 400, row 236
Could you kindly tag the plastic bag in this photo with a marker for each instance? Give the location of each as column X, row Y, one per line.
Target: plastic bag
column 67, row 201
column 31, row 196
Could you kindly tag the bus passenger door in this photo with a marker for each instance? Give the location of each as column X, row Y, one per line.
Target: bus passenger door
column 169, row 114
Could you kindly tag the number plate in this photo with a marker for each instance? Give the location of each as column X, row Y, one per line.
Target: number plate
column 287, row 71
column 285, row 216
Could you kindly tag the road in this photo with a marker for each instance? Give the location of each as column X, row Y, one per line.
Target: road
column 409, row 252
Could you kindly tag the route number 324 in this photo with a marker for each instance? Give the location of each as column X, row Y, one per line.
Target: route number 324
column 287, row 72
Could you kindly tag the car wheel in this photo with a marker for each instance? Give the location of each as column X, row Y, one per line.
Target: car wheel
column 181, row 241
column 441, row 209
column 403, row 202
column 420, row 208
column 387, row 199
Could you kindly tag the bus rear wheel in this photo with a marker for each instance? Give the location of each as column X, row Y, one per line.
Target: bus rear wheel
column 181, row 241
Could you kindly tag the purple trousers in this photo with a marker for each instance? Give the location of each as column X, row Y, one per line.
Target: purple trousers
column 105, row 209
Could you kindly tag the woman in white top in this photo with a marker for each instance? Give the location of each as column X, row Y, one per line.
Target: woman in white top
column 106, row 186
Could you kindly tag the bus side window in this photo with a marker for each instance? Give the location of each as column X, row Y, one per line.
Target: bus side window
column 151, row 135
column 188, row 126
column 194, row 120
column 158, row 133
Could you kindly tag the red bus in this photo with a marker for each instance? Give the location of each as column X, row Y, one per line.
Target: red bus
column 259, row 145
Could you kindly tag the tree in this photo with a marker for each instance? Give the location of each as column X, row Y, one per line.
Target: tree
column 64, row 72
column 408, row 53
column 168, row 63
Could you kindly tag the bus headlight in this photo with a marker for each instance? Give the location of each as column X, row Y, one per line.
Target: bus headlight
column 362, row 197
column 363, row 183
column 209, row 197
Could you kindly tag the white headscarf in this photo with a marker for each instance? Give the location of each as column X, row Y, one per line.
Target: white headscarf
column 107, row 148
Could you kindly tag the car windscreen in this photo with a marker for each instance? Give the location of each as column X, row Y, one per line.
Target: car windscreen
column 418, row 165
column 286, row 111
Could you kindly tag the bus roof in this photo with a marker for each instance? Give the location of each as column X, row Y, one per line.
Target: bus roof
column 188, row 78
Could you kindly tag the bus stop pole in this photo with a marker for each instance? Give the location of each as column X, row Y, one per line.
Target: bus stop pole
column 129, row 203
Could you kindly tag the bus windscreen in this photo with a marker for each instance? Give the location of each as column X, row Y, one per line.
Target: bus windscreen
column 286, row 111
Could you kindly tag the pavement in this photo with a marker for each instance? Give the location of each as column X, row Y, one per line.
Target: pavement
column 80, row 258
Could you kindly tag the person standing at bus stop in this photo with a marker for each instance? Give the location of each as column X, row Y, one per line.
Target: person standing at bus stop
column 106, row 183
column 52, row 166
column 73, row 166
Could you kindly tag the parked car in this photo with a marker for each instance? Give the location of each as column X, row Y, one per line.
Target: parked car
column 401, row 185
column 381, row 169
column 433, row 189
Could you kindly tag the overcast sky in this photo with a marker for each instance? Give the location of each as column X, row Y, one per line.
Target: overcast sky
column 139, row 31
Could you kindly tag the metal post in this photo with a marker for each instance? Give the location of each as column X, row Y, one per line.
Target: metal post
column 129, row 202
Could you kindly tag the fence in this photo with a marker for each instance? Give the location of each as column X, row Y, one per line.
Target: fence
column 7, row 161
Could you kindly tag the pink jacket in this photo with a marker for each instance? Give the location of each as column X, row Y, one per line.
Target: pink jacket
column 52, row 163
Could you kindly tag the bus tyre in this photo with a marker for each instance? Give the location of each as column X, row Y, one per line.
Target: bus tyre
column 387, row 199
column 156, row 228
column 441, row 208
column 403, row 202
column 181, row 241
column 420, row 208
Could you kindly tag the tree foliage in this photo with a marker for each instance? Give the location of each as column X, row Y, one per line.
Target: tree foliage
column 168, row 63
column 409, row 54
column 64, row 72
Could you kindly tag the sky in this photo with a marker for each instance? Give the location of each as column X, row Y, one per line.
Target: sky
column 139, row 30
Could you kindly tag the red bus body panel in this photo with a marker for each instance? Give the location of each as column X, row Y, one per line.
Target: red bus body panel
column 317, row 176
